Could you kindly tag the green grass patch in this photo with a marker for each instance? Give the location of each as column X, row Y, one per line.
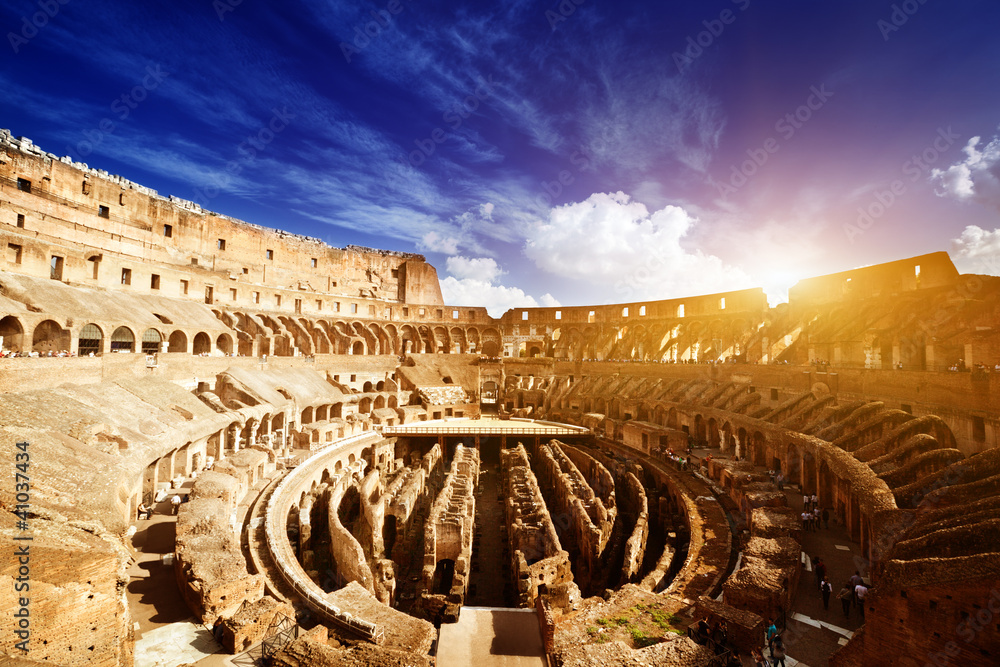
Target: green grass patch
column 642, row 640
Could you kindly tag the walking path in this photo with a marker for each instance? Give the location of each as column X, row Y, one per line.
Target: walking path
column 490, row 571
column 492, row 638
column 166, row 632
column 812, row 633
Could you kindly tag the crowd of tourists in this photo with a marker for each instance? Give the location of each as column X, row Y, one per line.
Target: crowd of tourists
column 11, row 354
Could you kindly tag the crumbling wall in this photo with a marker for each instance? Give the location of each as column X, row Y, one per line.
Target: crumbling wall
column 344, row 548
column 77, row 614
column 537, row 557
column 589, row 523
column 449, row 529
column 635, row 504
column 769, row 576
column 209, row 563
column 250, row 624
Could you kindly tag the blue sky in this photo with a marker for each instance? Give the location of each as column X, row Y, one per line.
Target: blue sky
column 543, row 153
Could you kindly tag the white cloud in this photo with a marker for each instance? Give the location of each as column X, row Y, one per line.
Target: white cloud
column 977, row 250
column 483, row 269
column 548, row 301
column 611, row 241
column 473, row 282
column 496, row 298
column 976, row 178
column 437, row 242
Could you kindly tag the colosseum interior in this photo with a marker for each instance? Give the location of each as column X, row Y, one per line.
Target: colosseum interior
column 361, row 468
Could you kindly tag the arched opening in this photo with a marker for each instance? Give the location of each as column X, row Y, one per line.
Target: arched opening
column 491, row 348
column 122, row 340
column 358, row 347
column 307, row 415
column 50, row 337
column 534, row 351
column 793, row 467
column 700, row 431
column 742, row 449
column 444, row 576
column 224, row 344
column 365, row 405
column 389, row 534
column 757, row 449
column 151, row 339
column 366, row 387
column 713, row 433
column 808, row 472
column 825, row 493
column 91, row 341
column 11, row 334
column 379, row 402
column 349, row 510
column 178, row 342
column 393, row 402
column 854, row 522
column 728, row 440
column 202, row 343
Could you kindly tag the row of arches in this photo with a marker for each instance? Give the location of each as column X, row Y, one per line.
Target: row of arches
column 93, row 340
column 668, row 341
column 282, row 335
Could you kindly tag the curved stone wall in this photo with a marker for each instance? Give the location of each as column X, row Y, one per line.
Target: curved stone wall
column 284, row 497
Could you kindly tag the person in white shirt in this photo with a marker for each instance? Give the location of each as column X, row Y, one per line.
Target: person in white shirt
column 860, row 591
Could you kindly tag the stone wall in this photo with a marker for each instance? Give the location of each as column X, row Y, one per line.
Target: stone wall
column 585, row 524
column 76, row 579
column 449, row 530
column 537, row 557
column 209, row 563
column 347, row 552
column 635, row 505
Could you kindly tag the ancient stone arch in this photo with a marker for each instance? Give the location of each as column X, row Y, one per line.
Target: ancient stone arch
column 11, row 333
column 122, row 340
column 49, row 336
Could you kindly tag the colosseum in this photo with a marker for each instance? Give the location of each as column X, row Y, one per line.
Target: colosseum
column 230, row 445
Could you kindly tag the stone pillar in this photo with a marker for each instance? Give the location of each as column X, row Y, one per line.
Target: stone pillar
column 931, row 361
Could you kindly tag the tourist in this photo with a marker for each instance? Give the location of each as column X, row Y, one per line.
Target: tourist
column 813, row 501
column 758, row 658
column 780, row 480
column 772, row 630
column 805, row 501
column 853, row 582
column 846, row 595
column 777, row 650
column 144, row 512
column 817, row 514
column 175, row 503
column 825, row 588
column 826, row 517
column 806, row 519
column 860, row 591
column 820, row 569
